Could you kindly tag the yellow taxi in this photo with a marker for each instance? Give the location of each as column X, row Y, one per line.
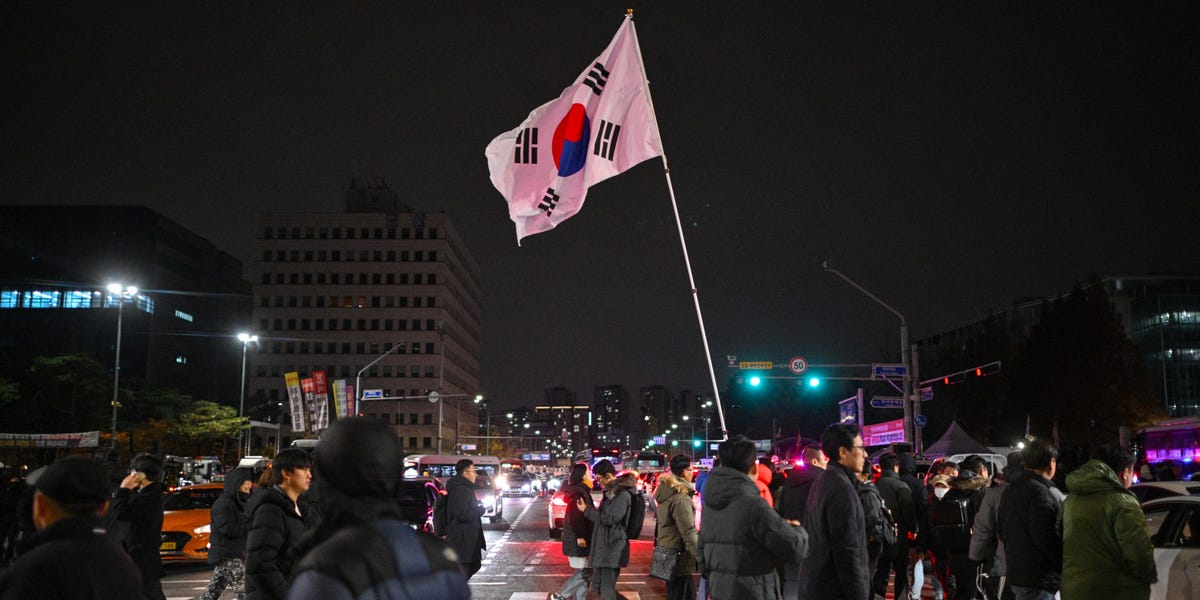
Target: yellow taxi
column 186, row 522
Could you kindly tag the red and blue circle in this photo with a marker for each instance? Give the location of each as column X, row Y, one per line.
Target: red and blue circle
column 570, row 141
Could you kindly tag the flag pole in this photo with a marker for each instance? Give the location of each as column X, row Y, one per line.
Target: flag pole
column 679, row 226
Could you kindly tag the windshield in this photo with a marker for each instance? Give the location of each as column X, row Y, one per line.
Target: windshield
column 483, row 483
column 191, row 499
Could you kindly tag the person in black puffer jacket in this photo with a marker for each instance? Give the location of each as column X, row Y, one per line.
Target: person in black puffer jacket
column 363, row 548
column 1030, row 524
column 790, row 505
column 137, row 514
column 227, row 542
column 577, row 530
column 276, row 526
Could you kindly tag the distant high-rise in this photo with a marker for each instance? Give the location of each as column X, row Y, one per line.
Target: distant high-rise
column 611, row 415
column 338, row 291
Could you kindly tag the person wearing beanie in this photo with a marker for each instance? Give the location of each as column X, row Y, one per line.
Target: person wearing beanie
column 362, row 547
column 68, row 557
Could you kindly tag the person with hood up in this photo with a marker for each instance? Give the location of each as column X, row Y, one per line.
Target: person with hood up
column 227, row 540
column 577, row 530
column 762, row 481
column 676, row 525
column 276, row 525
column 971, row 483
column 836, row 568
column 464, row 530
column 362, row 547
column 1107, row 551
column 920, row 496
column 897, row 497
column 610, row 543
column 790, row 505
column 986, row 547
column 743, row 537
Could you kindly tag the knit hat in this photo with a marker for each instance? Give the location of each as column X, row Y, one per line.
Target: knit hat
column 73, row 480
column 359, row 458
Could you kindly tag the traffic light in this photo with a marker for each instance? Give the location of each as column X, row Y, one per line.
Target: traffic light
column 755, row 381
column 696, row 443
column 814, row 382
column 674, row 442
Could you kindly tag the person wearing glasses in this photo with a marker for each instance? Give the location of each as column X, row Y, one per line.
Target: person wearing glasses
column 836, row 567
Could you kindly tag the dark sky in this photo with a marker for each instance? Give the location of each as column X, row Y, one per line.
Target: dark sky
column 949, row 157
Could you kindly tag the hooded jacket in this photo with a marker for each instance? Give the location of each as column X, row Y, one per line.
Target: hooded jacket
column 275, row 531
column 71, row 559
column 676, row 521
column 972, row 487
column 1107, row 551
column 897, row 497
column 575, row 525
column 229, row 524
column 920, row 495
column 794, row 494
column 743, row 538
column 763, row 483
column 1030, row 517
column 836, row 566
column 610, row 544
column 138, row 518
column 985, row 544
column 464, row 530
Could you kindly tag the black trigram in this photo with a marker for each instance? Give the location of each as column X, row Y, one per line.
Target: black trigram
column 606, row 139
column 526, row 148
column 549, row 201
column 596, row 78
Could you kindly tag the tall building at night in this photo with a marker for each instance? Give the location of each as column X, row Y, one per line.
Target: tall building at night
column 567, row 420
column 610, row 416
column 379, row 294
column 178, row 331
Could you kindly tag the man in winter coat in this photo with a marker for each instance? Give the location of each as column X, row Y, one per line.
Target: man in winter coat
column 137, row 511
column 363, row 548
column 576, row 533
column 1029, row 525
column 743, row 537
column 790, row 505
column 464, row 530
column 897, row 497
column 68, row 557
column 676, row 525
column 276, row 526
column 836, row 567
column 610, row 543
column 971, row 484
column 1107, row 551
column 227, row 542
column 986, row 547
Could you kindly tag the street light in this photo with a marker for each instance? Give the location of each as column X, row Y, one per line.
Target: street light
column 245, row 339
column 121, row 292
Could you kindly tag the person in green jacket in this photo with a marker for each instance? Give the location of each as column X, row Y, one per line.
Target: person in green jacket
column 1106, row 548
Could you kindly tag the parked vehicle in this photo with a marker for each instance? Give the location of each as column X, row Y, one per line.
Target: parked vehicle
column 416, row 497
column 1174, row 527
column 1153, row 490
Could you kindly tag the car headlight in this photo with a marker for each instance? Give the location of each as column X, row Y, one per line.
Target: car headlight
column 487, row 500
column 203, row 529
column 555, row 483
column 525, row 488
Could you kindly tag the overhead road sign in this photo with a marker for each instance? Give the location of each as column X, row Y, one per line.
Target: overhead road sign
column 888, row 370
column 372, row 394
column 756, row 365
column 468, row 446
column 798, row 365
column 887, row 402
column 926, row 394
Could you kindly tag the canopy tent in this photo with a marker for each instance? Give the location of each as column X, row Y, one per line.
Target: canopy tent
column 955, row 441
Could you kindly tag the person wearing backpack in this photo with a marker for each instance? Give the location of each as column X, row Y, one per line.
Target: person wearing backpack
column 464, row 530
column 363, row 547
column 610, row 538
column 880, row 528
column 954, row 515
column 897, row 496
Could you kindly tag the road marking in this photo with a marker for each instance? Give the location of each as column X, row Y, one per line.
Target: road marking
column 484, row 564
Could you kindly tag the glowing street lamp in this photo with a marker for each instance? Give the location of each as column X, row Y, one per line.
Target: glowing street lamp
column 121, row 291
column 246, row 339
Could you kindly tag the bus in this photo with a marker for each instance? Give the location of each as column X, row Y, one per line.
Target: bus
column 591, row 456
column 1175, row 442
column 442, row 466
column 650, row 462
column 508, row 465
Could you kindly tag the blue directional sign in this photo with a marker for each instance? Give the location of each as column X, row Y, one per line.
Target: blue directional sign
column 887, row 402
column 660, row 440
column 878, row 370
column 372, row 394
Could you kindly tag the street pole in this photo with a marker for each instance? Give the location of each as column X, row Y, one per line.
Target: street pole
column 918, row 443
column 358, row 377
column 904, row 351
column 441, row 380
column 244, row 447
column 117, row 369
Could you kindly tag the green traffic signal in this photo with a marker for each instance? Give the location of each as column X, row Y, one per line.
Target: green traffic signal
column 755, row 381
column 696, row 443
column 814, row 382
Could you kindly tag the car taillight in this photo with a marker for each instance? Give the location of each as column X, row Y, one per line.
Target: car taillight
column 558, row 501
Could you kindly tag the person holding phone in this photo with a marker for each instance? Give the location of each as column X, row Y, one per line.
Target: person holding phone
column 137, row 511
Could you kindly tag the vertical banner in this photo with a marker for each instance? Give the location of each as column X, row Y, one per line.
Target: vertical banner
column 339, row 399
column 351, row 401
column 310, row 402
column 295, row 400
column 322, row 391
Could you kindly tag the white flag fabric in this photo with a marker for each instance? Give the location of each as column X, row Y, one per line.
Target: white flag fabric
column 600, row 126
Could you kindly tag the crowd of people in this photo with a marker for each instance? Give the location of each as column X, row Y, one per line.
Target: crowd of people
column 830, row 529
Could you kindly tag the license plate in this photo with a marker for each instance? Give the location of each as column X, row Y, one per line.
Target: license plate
column 167, row 546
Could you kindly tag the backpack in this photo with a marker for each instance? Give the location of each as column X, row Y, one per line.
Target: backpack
column 881, row 525
column 637, row 515
column 441, row 515
column 951, row 523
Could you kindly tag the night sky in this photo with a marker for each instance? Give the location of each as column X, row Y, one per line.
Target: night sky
column 949, row 157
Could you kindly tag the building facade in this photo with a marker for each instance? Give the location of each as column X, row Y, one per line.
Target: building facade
column 381, row 296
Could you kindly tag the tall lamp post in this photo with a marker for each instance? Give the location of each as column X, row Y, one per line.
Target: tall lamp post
column 121, row 291
column 244, row 447
column 904, row 358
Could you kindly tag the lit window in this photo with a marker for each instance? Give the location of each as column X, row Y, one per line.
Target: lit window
column 10, row 298
column 77, row 299
column 40, row 299
column 179, row 314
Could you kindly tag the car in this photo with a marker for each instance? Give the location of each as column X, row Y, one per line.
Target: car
column 187, row 521
column 519, row 484
column 489, row 498
column 1153, row 490
column 416, row 496
column 1174, row 526
column 557, row 513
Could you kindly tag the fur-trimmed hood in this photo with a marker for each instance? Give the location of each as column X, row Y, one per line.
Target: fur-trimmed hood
column 670, row 485
column 625, row 481
column 968, row 481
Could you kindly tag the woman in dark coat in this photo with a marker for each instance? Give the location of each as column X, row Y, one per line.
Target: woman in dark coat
column 577, row 530
column 227, row 542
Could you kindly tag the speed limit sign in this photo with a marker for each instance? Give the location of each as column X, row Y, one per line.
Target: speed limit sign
column 798, row 365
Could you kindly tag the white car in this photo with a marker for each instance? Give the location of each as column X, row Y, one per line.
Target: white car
column 1174, row 526
column 1153, row 490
